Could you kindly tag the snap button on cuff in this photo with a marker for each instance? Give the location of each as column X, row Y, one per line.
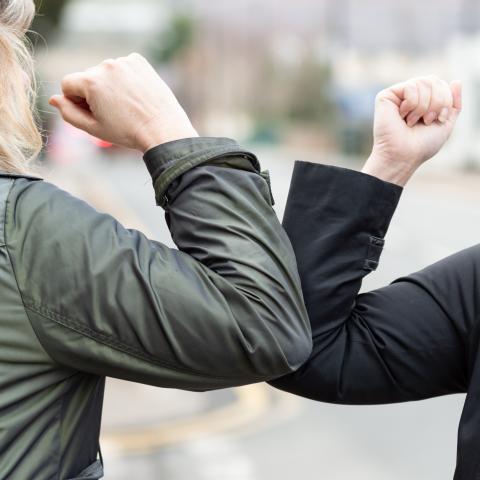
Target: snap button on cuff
column 375, row 247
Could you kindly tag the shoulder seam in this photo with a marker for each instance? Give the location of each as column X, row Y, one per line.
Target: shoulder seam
column 7, row 204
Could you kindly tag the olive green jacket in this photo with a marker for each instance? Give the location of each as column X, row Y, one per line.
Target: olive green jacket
column 83, row 298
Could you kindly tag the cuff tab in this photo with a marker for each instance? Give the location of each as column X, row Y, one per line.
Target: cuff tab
column 375, row 247
column 169, row 161
column 266, row 176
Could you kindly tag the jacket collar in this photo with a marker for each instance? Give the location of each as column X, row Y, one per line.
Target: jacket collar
column 19, row 175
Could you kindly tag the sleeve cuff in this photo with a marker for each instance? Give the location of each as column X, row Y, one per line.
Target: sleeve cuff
column 374, row 200
column 364, row 203
column 170, row 160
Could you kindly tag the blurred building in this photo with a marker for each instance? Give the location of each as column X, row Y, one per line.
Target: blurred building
column 463, row 54
column 91, row 31
column 252, row 61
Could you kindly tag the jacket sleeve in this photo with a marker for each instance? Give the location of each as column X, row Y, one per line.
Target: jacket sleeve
column 337, row 219
column 224, row 309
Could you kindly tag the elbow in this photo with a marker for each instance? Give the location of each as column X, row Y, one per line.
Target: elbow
column 294, row 338
column 295, row 351
column 291, row 329
column 285, row 349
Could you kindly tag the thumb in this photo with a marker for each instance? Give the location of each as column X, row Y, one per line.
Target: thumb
column 388, row 109
column 456, row 88
column 74, row 114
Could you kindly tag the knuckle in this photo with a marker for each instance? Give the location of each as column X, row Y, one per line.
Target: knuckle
column 136, row 59
column 442, row 83
column 92, row 82
column 410, row 94
column 441, row 98
column 410, row 87
column 135, row 56
column 425, row 81
column 378, row 96
column 109, row 63
column 65, row 82
column 411, row 97
column 447, row 92
column 121, row 61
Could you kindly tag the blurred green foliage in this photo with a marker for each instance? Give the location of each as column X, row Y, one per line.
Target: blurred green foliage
column 300, row 97
column 354, row 138
column 47, row 20
column 310, row 98
column 266, row 131
column 173, row 41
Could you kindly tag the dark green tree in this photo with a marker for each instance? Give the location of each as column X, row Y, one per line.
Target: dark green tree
column 47, row 20
column 310, row 97
column 174, row 41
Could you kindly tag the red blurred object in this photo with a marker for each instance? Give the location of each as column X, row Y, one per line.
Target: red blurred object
column 101, row 143
column 68, row 144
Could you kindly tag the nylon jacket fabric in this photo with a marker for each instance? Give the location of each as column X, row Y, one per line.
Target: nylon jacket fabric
column 83, row 298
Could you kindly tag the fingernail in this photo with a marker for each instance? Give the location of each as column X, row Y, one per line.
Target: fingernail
column 443, row 115
column 412, row 121
column 429, row 118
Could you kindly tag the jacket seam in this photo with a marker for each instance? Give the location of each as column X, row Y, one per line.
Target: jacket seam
column 31, row 305
column 115, row 344
column 5, row 242
column 7, row 205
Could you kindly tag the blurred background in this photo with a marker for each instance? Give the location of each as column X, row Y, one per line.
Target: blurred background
column 291, row 80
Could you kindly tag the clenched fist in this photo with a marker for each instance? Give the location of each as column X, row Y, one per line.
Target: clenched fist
column 413, row 120
column 125, row 102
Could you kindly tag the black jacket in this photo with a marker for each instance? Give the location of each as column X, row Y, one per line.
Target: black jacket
column 413, row 339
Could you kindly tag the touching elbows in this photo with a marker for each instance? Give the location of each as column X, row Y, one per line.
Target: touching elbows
column 284, row 346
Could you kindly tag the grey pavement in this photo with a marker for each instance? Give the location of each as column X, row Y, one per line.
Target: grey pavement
column 438, row 215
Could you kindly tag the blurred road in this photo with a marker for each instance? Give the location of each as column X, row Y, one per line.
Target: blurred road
column 257, row 433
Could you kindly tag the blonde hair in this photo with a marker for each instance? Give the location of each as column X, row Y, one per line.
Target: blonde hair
column 20, row 137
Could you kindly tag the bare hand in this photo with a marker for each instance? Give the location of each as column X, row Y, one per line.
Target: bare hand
column 413, row 120
column 125, row 102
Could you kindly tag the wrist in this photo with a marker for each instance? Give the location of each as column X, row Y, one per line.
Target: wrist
column 387, row 169
column 154, row 133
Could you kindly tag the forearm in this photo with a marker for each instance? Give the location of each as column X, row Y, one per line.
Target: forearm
column 336, row 220
column 220, row 213
column 224, row 310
